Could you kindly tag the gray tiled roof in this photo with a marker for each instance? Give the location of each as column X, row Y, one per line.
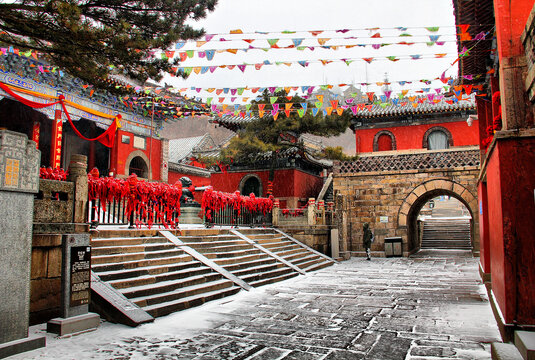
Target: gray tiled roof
column 408, row 108
column 180, row 150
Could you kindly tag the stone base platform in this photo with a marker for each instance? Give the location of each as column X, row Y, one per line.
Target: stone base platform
column 72, row 325
column 189, row 215
column 22, row 345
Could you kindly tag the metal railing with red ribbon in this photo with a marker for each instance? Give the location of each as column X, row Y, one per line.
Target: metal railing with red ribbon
column 132, row 201
column 220, row 208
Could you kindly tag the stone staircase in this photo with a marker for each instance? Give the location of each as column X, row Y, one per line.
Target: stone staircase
column 153, row 273
column 158, row 273
column 239, row 257
column 294, row 252
column 446, row 233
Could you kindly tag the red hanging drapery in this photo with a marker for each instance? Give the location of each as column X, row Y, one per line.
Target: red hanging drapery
column 107, row 138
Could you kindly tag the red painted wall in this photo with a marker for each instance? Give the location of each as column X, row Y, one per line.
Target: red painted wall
column 411, row 137
column 286, row 183
column 511, row 18
column 511, row 207
column 120, row 152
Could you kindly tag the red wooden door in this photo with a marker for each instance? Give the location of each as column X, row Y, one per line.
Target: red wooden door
column 384, row 143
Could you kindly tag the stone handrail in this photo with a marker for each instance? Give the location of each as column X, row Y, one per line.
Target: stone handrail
column 410, row 160
column 54, row 202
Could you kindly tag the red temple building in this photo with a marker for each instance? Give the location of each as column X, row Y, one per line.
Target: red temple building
column 431, row 126
column 127, row 126
column 297, row 175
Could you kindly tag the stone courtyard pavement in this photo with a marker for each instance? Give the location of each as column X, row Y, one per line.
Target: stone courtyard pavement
column 429, row 306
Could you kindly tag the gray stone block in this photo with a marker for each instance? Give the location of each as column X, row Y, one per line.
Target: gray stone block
column 19, row 174
column 19, row 163
column 189, row 215
column 21, row 345
column 525, row 342
column 73, row 325
column 501, row 351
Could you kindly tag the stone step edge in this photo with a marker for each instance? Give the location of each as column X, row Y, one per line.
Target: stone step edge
column 186, row 264
column 193, row 273
column 186, row 290
column 200, row 257
column 153, row 307
column 122, row 310
column 268, row 252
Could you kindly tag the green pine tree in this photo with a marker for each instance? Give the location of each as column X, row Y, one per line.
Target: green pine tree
column 266, row 134
column 92, row 38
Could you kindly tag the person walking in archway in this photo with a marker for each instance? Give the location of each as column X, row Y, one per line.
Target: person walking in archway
column 367, row 239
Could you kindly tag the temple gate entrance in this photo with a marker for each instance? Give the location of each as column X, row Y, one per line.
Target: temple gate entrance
column 389, row 190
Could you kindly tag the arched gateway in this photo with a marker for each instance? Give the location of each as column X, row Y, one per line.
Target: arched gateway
column 388, row 191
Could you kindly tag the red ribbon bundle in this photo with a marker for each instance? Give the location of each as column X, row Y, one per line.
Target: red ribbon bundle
column 52, row 174
column 293, row 212
column 151, row 202
column 213, row 201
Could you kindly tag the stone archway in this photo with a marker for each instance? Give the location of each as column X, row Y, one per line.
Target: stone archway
column 246, row 180
column 415, row 200
column 142, row 155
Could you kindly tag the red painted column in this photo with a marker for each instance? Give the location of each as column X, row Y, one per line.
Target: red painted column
column 511, row 209
column 36, row 133
column 55, row 143
column 113, row 166
column 484, row 240
column 511, row 18
column 91, row 157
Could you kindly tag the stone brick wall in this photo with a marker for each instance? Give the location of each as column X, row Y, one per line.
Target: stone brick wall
column 390, row 202
column 317, row 237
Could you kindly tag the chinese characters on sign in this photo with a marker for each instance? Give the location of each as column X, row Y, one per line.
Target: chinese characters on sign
column 80, row 275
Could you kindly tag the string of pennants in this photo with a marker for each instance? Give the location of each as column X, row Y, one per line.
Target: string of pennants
column 209, row 54
column 188, row 70
column 463, row 35
column 309, row 89
column 338, row 106
column 297, row 44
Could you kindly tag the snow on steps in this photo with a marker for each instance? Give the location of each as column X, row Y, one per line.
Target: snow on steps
column 151, row 272
column 448, row 233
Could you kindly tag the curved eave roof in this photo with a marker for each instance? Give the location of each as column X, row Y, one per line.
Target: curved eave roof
column 479, row 14
column 233, row 122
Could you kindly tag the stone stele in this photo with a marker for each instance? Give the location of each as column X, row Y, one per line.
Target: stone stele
column 19, row 181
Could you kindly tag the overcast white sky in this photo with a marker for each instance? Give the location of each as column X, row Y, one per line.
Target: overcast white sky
column 306, row 15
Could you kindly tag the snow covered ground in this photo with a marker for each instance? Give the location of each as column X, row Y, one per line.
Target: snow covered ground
column 430, row 306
